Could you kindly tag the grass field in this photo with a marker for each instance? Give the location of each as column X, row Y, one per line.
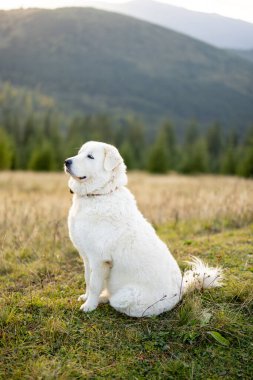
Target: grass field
column 45, row 336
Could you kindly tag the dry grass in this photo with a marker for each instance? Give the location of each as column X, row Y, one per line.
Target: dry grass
column 36, row 205
column 182, row 198
column 162, row 199
column 43, row 334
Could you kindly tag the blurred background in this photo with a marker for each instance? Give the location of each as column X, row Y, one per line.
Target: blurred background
column 170, row 83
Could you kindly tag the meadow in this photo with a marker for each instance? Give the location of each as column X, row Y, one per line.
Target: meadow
column 43, row 335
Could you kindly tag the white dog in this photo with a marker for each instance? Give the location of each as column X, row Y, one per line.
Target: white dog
column 125, row 261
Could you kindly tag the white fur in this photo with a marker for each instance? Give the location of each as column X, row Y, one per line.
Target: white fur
column 201, row 276
column 125, row 261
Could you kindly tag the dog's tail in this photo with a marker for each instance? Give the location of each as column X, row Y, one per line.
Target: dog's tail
column 201, row 276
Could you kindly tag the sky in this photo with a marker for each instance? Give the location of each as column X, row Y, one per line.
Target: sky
column 239, row 9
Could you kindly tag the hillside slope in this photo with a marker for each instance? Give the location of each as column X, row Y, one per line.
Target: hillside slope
column 95, row 61
column 246, row 54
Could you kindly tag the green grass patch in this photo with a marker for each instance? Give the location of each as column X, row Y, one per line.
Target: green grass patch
column 45, row 336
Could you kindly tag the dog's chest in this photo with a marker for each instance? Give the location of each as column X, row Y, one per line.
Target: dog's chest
column 90, row 227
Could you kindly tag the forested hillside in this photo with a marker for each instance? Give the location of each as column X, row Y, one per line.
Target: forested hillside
column 93, row 61
column 246, row 54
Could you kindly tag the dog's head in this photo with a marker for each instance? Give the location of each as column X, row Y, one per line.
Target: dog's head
column 98, row 168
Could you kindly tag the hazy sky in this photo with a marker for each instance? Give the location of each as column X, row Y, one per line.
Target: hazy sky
column 242, row 9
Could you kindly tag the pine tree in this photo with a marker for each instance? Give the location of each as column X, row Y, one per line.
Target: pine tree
column 199, row 158
column 126, row 152
column 6, row 150
column 26, row 141
column 229, row 156
column 42, row 158
column 245, row 165
column 158, row 155
column 191, row 134
column 214, row 146
column 51, row 132
column 136, row 138
column 168, row 135
column 228, row 161
column 157, row 162
column 194, row 153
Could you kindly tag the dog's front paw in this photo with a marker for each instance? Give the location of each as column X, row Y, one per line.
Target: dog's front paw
column 88, row 306
column 83, row 297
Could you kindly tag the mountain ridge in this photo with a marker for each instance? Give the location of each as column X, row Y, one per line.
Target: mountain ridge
column 217, row 30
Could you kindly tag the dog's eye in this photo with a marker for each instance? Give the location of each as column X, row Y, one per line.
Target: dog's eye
column 90, row 156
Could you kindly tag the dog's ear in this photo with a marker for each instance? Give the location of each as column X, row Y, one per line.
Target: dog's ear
column 112, row 158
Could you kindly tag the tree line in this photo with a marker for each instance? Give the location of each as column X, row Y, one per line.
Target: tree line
column 42, row 144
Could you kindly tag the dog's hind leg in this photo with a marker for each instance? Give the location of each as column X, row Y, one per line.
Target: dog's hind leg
column 139, row 302
column 128, row 300
column 104, row 296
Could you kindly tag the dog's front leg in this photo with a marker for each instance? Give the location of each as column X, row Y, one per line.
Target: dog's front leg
column 98, row 273
column 84, row 297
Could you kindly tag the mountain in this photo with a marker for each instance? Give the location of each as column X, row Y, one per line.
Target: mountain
column 216, row 30
column 246, row 54
column 93, row 61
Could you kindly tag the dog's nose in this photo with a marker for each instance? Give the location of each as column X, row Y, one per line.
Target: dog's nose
column 68, row 163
